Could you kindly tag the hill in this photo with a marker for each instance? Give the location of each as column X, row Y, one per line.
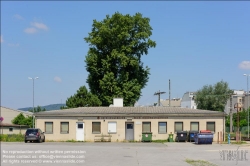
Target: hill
column 47, row 107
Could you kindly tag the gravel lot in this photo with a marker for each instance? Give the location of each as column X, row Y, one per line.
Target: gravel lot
column 121, row 154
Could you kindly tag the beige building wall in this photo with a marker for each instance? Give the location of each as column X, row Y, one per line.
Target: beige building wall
column 16, row 130
column 9, row 114
column 120, row 134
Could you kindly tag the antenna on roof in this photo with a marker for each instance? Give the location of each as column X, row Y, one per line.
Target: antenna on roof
column 159, row 96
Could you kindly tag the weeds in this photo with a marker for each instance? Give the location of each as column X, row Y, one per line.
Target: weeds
column 199, row 163
column 12, row 138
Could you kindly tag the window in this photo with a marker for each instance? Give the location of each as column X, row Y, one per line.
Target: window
column 162, row 127
column 80, row 126
column 48, row 127
column 96, row 127
column 11, row 129
column 178, row 126
column 111, row 127
column 129, row 126
column 64, row 127
column 146, row 126
column 211, row 126
column 194, row 126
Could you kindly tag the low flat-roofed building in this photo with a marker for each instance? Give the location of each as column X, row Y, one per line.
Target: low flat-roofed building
column 126, row 123
column 7, row 128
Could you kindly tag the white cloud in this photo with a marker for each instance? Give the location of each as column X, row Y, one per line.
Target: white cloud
column 39, row 25
column 30, row 30
column 2, row 39
column 17, row 16
column 13, row 45
column 57, row 79
column 244, row 65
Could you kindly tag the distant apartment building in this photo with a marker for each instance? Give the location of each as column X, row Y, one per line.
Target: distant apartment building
column 240, row 97
column 187, row 100
column 245, row 99
column 175, row 102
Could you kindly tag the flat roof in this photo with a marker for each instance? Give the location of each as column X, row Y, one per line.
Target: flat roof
column 138, row 111
column 12, row 125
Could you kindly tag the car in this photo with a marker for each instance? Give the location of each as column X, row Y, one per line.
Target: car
column 34, row 134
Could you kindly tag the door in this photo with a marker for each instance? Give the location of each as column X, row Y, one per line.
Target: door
column 129, row 131
column 80, row 131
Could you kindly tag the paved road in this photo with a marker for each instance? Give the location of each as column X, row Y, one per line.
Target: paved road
column 119, row 154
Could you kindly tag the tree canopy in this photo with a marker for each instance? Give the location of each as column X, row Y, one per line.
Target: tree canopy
column 82, row 98
column 213, row 97
column 113, row 61
column 37, row 109
column 20, row 119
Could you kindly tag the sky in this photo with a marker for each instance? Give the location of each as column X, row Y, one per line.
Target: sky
column 198, row 43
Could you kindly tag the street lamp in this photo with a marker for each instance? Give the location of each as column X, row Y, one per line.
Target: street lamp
column 247, row 95
column 33, row 79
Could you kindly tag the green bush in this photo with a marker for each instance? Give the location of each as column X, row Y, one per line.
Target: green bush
column 11, row 137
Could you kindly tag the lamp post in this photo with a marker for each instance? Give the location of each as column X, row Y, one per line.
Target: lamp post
column 33, row 79
column 247, row 97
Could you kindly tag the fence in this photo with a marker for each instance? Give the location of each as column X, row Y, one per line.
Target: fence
column 243, row 132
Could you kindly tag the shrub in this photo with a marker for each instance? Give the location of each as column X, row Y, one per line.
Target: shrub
column 11, row 137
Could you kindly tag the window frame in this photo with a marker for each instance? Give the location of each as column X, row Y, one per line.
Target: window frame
column 11, row 129
column 61, row 128
column 175, row 126
column 191, row 126
column 214, row 126
column 96, row 132
column 166, row 127
column 115, row 127
column 150, row 126
column 45, row 128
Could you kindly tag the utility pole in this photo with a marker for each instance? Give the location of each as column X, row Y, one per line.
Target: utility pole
column 169, row 94
column 159, row 96
column 231, row 114
column 247, row 98
column 33, row 79
column 237, row 106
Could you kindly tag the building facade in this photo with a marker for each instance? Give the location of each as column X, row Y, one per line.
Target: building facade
column 175, row 102
column 6, row 126
column 9, row 114
column 188, row 100
column 237, row 97
column 126, row 123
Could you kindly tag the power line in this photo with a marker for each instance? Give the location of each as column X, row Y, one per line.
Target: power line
column 159, row 96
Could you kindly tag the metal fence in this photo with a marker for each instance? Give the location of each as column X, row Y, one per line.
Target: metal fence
column 243, row 132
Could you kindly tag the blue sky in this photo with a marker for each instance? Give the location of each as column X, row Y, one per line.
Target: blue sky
column 198, row 43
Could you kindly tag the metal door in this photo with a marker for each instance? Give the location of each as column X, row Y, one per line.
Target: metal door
column 80, row 131
column 129, row 131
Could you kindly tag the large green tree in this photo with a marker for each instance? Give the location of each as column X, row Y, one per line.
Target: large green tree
column 20, row 119
column 213, row 97
column 113, row 61
column 82, row 98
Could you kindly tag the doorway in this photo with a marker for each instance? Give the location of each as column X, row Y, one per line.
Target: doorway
column 79, row 131
column 129, row 131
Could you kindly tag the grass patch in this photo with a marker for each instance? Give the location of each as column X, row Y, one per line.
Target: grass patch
column 199, row 163
column 238, row 143
column 12, row 138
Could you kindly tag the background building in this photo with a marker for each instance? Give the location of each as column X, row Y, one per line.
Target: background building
column 175, row 102
column 8, row 115
column 188, row 100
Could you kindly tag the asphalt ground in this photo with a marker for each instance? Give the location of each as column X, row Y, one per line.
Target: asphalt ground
column 121, row 154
